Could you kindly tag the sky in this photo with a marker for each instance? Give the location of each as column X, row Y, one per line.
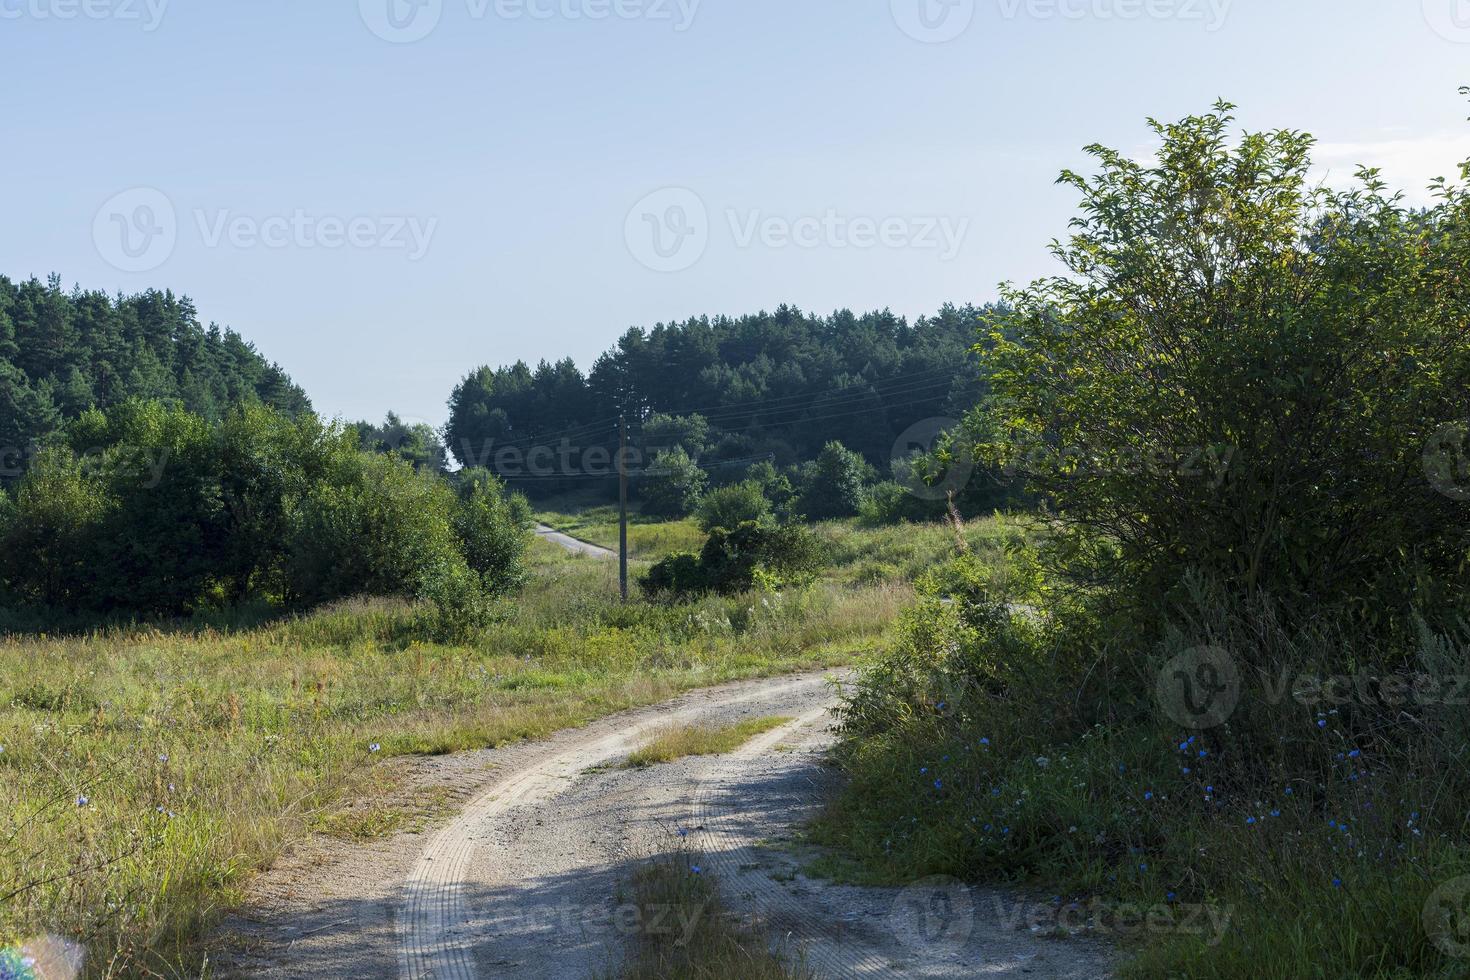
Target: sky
column 384, row 194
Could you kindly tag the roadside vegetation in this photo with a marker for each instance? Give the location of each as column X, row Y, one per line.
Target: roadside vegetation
column 1228, row 676
column 686, row 740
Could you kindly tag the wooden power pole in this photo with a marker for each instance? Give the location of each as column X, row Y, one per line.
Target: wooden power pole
column 623, row 507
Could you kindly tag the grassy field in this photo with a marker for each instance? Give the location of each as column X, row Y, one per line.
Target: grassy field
column 856, row 554
column 649, row 538
column 150, row 772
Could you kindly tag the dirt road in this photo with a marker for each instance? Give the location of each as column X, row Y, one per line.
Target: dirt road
column 530, row 877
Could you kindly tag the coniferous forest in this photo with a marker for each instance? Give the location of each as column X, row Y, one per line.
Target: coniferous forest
column 65, row 351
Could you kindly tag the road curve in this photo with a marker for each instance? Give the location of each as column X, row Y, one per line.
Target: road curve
column 575, row 545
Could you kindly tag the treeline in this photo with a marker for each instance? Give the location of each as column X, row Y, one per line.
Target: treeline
column 151, row 510
column 64, row 352
column 778, row 386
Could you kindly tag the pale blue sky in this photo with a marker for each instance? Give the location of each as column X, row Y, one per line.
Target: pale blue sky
column 511, row 150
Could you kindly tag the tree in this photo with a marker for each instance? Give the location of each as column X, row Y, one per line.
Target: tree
column 835, row 484
column 672, row 485
column 687, row 432
column 417, row 443
column 493, row 527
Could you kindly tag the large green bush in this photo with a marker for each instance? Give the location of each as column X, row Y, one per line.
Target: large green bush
column 738, row 559
column 1241, row 375
column 374, row 526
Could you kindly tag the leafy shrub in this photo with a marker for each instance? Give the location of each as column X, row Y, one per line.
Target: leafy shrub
column 672, row 484
column 678, row 574
column 733, row 505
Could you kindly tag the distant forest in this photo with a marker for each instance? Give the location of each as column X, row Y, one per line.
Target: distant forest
column 63, row 352
column 779, row 385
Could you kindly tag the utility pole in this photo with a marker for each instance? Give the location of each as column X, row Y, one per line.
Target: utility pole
column 623, row 506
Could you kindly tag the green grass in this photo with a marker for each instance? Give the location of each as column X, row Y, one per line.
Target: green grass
column 149, row 773
column 699, row 939
column 686, row 740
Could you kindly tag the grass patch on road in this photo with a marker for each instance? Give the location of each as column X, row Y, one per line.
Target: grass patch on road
column 686, row 740
column 697, row 938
